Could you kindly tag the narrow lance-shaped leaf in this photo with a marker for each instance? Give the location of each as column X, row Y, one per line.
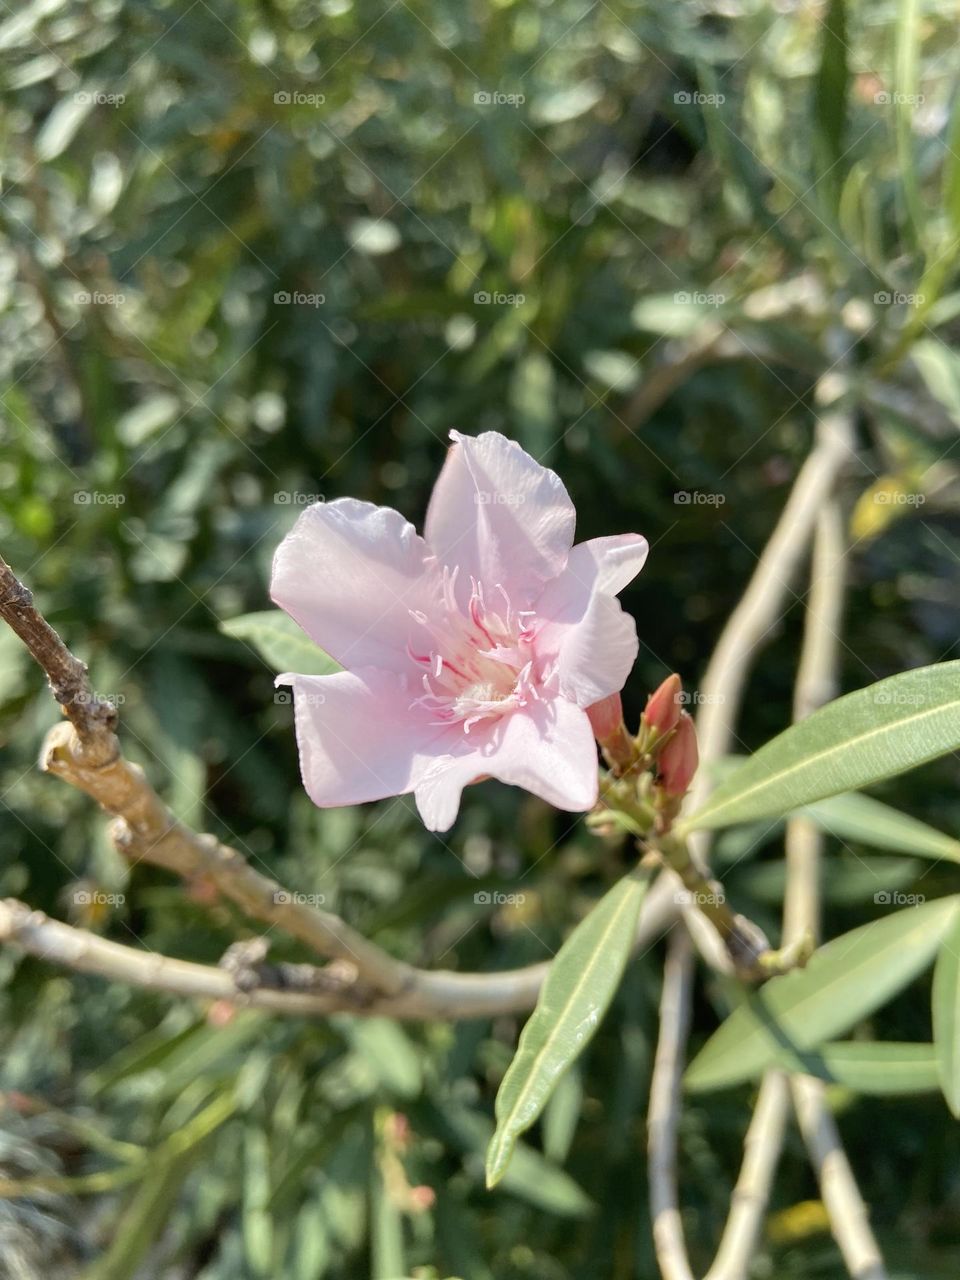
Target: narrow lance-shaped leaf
column 844, row 981
column 946, row 1016
column 830, row 99
column 870, row 822
column 579, row 986
column 859, row 739
column 881, row 1068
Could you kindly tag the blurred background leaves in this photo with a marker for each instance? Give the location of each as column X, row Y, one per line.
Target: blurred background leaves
column 257, row 254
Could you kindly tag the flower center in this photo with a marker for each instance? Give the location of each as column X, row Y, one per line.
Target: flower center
column 474, row 665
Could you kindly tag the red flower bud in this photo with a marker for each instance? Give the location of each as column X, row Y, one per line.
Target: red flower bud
column 663, row 706
column 678, row 760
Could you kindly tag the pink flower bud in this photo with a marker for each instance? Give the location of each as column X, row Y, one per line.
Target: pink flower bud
column 422, row 1198
column 679, row 758
column 663, row 706
column 606, row 720
column 606, row 717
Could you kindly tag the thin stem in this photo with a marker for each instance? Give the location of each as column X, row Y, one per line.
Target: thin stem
column 761, row 1155
column 664, row 1112
column 722, row 688
column 816, row 683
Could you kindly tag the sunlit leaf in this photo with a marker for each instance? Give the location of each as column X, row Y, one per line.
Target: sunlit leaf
column 885, row 729
column 868, row 821
column 946, row 1015
column 580, row 985
column 843, row 982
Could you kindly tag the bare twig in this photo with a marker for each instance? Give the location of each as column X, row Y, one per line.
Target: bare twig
column 816, row 683
column 748, row 627
column 92, row 717
column 761, row 1154
column 664, row 1112
column 721, row 693
column 286, row 989
column 762, row 603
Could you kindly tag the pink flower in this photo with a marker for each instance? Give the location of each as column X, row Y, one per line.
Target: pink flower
column 472, row 651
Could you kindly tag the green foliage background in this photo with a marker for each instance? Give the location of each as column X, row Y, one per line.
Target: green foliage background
column 692, row 212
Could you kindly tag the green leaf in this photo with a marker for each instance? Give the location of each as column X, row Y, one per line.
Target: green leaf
column 946, row 1016
column 830, row 100
column 868, row 821
column 387, row 1260
column 882, row 1068
column 530, row 1175
column 940, row 369
column 580, row 985
column 905, row 100
column 844, row 981
column 280, row 642
column 877, row 732
column 62, row 124
column 561, row 1115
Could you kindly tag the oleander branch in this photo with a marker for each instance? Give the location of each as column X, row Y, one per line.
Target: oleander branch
column 816, row 684
column 721, row 694
column 85, row 752
column 244, row 980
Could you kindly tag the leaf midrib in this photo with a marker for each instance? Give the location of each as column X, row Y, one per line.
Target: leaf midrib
column 554, row 1030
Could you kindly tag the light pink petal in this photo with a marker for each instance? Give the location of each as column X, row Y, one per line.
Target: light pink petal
column 501, row 516
column 349, row 572
column 441, row 782
column 602, row 564
column 597, row 654
column 582, row 626
column 547, row 748
column 358, row 738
